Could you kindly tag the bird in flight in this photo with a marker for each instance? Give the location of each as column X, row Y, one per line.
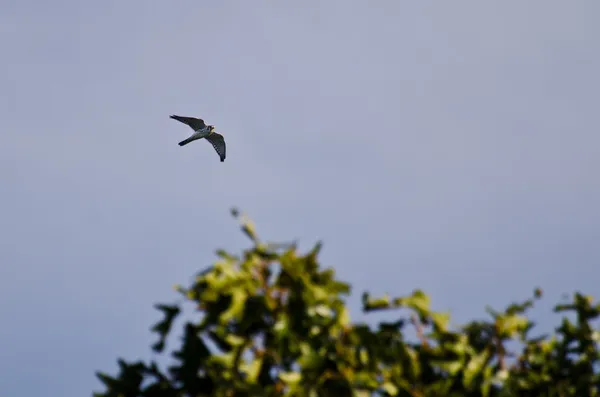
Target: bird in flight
column 202, row 130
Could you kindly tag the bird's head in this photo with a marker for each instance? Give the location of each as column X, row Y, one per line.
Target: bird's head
column 211, row 128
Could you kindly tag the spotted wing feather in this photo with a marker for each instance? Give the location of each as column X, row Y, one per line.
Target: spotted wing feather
column 218, row 143
column 194, row 123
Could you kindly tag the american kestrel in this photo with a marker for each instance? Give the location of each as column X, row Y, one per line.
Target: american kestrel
column 202, row 130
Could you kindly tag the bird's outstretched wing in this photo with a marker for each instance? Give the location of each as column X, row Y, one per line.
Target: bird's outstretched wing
column 194, row 123
column 218, row 143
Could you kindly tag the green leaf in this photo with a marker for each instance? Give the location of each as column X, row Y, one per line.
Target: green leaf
column 344, row 316
column 236, row 309
column 252, row 369
column 246, row 224
column 309, row 359
column 163, row 327
column 323, row 311
column 508, row 325
column 418, row 301
column 474, row 367
column 440, row 320
column 390, row 388
column 370, row 304
column 234, row 340
column 290, row 377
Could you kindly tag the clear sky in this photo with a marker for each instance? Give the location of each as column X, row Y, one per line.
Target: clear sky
column 449, row 146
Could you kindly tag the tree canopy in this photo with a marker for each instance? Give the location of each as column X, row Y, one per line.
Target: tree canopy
column 273, row 322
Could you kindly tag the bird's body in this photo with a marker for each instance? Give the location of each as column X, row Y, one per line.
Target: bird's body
column 202, row 130
column 195, row 136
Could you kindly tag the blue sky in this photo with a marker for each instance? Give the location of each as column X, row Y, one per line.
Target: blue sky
column 450, row 146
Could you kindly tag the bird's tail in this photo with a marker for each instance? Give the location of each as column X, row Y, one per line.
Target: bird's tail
column 186, row 141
